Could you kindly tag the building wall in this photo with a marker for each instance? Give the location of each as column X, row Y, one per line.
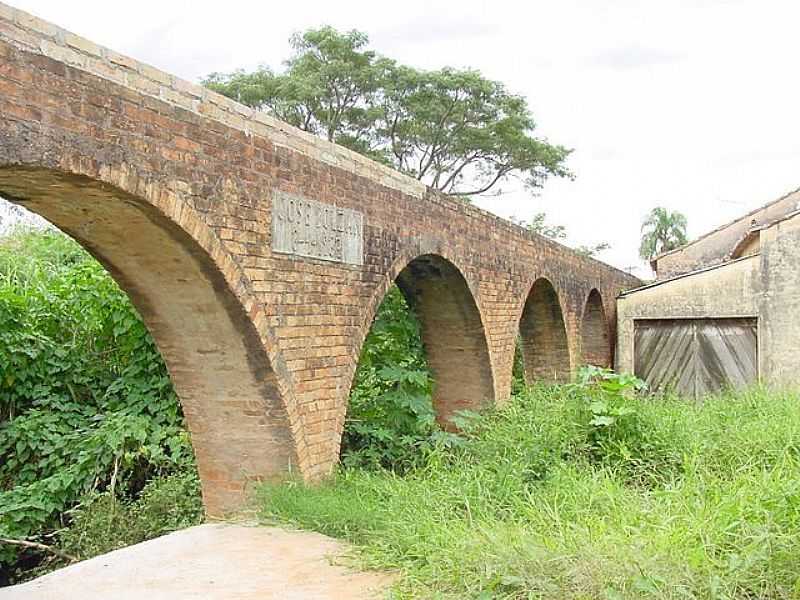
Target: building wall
column 731, row 290
column 715, row 247
column 780, row 305
column 764, row 285
column 750, row 245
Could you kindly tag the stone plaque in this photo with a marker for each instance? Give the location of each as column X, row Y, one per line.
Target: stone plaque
column 308, row 228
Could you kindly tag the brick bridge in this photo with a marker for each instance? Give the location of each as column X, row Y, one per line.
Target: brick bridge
column 258, row 254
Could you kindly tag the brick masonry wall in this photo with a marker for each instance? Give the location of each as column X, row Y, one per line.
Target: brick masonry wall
column 594, row 333
column 171, row 186
column 543, row 335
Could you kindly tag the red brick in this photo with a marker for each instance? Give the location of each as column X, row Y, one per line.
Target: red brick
column 262, row 347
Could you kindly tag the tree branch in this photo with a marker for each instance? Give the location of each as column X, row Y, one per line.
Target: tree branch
column 38, row 546
column 452, row 178
column 486, row 188
column 433, row 146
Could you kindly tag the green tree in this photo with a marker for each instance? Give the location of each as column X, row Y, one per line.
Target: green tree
column 329, row 88
column 593, row 250
column 456, row 130
column 538, row 224
column 662, row 231
column 390, row 418
column 86, row 403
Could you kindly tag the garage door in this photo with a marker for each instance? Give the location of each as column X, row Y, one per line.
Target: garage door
column 696, row 356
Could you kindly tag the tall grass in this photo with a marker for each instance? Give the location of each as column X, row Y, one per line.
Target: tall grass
column 694, row 501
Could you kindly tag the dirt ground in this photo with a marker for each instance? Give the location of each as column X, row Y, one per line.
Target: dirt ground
column 212, row 562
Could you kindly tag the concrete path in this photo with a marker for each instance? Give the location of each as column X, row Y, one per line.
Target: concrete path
column 211, row 562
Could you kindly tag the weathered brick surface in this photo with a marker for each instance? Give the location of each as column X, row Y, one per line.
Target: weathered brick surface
column 545, row 343
column 171, row 186
column 595, row 334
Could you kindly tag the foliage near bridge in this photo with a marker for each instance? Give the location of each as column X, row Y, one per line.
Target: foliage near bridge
column 390, row 418
column 94, row 454
column 579, row 491
column 456, row 130
column 583, row 491
column 86, row 406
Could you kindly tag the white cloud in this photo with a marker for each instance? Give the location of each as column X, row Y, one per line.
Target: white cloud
column 633, row 56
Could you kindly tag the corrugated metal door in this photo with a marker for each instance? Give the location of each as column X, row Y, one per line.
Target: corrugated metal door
column 696, row 356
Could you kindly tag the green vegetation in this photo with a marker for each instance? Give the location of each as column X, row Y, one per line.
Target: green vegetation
column 453, row 129
column 391, row 423
column 662, row 231
column 583, row 491
column 88, row 418
column 102, row 522
column 390, row 419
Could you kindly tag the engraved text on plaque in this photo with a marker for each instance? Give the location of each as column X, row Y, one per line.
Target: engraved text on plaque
column 308, row 228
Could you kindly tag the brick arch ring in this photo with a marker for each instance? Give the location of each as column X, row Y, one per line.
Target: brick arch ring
column 196, row 301
column 595, row 331
column 542, row 316
column 429, row 278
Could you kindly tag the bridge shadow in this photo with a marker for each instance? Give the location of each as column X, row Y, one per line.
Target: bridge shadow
column 452, row 333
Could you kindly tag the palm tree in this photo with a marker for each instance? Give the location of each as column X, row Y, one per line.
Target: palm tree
column 662, row 231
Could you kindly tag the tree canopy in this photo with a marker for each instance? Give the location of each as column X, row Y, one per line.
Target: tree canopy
column 453, row 129
column 662, row 231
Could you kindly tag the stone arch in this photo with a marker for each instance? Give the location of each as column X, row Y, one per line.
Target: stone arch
column 452, row 332
column 595, row 340
column 545, row 345
column 195, row 302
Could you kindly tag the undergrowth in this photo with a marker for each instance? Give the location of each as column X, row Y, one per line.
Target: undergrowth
column 582, row 491
column 390, row 420
column 87, row 409
column 589, row 490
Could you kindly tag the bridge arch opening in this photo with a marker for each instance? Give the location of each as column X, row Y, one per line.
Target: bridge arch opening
column 217, row 363
column 595, row 345
column 452, row 333
column 543, row 336
column 424, row 359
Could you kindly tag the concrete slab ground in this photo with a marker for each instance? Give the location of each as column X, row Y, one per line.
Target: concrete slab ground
column 212, row 562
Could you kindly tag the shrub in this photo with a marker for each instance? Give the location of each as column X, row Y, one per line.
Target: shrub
column 390, row 419
column 539, row 502
column 619, row 432
column 103, row 522
column 86, row 404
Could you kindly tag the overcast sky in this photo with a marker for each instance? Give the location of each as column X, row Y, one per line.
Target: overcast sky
column 690, row 105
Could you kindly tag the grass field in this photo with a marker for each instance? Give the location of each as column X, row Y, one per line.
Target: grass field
column 666, row 499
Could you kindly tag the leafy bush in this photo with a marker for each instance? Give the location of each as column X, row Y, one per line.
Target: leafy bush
column 390, row 419
column 86, row 404
column 619, row 433
column 102, row 522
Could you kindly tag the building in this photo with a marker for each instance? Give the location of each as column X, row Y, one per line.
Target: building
column 724, row 310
